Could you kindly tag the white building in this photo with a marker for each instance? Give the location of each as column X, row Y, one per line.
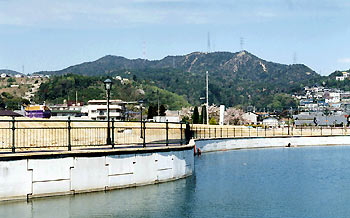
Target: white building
column 339, row 78
column 334, row 97
column 250, row 117
column 3, row 75
column 97, row 109
column 270, row 122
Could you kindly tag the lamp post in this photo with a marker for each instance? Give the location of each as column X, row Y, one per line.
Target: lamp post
column 108, row 86
column 140, row 102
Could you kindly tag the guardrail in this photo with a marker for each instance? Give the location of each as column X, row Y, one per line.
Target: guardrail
column 206, row 131
column 28, row 135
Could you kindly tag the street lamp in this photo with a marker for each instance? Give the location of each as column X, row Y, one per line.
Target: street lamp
column 206, row 111
column 140, row 103
column 108, row 86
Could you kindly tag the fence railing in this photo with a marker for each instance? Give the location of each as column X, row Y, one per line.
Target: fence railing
column 206, row 131
column 27, row 135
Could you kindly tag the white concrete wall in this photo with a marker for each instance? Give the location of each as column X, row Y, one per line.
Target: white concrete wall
column 20, row 179
column 228, row 144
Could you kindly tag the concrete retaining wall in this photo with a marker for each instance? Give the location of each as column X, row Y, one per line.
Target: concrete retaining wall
column 26, row 178
column 244, row 143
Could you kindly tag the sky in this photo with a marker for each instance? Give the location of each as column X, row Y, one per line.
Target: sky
column 38, row 35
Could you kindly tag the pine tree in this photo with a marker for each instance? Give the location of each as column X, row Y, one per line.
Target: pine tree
column 195, row 116
column 162, row 110
column 151, row 111
column 203, row 119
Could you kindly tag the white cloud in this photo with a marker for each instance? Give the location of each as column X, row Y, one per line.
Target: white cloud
column 344, row 60
column 96, row 12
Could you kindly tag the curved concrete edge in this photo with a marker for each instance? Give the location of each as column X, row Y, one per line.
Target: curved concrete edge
column 28, row 178
column 212, row 145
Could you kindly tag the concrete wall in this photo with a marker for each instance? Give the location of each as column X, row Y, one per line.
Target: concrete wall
column 25, row 178
column 242, row 143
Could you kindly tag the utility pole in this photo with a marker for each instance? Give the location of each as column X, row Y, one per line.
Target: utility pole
column 207, row 97
column 76, row 98
column 158, row 101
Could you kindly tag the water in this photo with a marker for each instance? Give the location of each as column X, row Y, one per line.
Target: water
column 285, row 182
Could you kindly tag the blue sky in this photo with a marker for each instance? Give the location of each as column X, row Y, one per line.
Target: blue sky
column 52, row 35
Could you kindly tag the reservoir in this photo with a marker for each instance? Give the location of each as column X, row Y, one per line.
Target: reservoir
column 305, row 182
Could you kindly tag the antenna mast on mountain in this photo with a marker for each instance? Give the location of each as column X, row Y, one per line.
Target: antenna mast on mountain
column 208, row 43
column 242, row 43
column 207, row 96
column 144, row 50
column 23, row 69
column 295, row 60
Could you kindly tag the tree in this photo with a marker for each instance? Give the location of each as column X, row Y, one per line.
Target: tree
column 2, row 103
column 185, row 119
column 213, row 121
column 233, row 116
column 152, row 111
column 195, row 116
column 162, row 110
column 204, row 115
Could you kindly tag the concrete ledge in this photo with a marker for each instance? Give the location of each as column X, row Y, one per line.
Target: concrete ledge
column 90, row 153
column 41, row 174
column 210, row 145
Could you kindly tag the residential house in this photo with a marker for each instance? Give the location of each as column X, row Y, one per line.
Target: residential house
column 270, row 122
column 97, row 109
column 250, row 118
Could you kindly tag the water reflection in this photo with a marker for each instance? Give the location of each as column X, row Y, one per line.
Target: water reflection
column 164, row 200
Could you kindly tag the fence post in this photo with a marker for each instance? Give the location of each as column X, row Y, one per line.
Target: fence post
column 181, row 133
column 301, row 130
column 13, row 135
column 215, row 132
column 331, row 130
column 167, row 133
column 241, row 131
column 112, row 132
column 234, row 132
column 69, row 136
column 265, row 131
column 321, row 130
column 221, row 132
column 144, row 133
column 257, row 132
column 227, row 132
column 311, row 130
column 204, row 132
column 249, row 130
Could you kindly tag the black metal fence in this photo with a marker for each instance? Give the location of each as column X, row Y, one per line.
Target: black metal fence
column 206, row 131
column 28, row 135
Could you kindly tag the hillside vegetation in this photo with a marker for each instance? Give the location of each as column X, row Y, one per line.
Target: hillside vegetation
column 234, row 78
column 58, row 88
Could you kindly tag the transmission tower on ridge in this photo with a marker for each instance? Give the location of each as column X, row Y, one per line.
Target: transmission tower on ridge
column 144, row 50
column 208, row 43
column 242, row 43
column 295, row 58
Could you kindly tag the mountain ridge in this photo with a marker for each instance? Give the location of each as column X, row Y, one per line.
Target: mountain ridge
column 239, row 78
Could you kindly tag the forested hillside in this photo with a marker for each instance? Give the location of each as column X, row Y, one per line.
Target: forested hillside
column 234, row 78
column 87, row 88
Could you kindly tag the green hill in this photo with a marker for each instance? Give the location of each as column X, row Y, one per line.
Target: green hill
column 58, row 88
column 235, row 78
